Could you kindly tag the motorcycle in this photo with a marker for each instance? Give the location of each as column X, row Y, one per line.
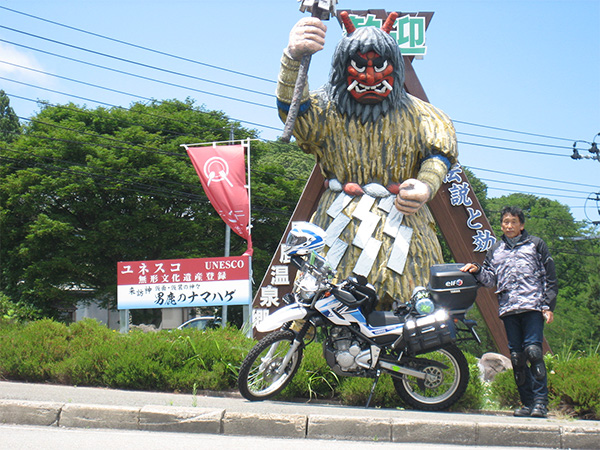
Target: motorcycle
column 415, row 343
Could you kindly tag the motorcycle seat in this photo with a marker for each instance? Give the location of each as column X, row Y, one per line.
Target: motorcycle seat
column 383, row 318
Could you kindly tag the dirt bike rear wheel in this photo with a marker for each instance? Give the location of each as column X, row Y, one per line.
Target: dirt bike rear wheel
column 443, row 386
column 259, row 377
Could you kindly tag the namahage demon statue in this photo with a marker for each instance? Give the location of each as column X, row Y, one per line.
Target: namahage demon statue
column 383, row 153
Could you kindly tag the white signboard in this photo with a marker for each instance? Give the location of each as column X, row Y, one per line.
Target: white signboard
column 178, row 283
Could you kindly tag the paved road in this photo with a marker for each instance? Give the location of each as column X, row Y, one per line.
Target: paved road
column 98, row 408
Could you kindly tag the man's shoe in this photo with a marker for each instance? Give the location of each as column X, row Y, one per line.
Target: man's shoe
column 524, row 411
column 539, row 410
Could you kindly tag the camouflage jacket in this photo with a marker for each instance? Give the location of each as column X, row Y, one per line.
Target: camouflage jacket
column 524, row 275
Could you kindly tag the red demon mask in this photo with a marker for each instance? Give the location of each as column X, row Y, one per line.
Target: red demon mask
column 370, row 77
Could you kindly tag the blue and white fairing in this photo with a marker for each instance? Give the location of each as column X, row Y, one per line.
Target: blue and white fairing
column 289, row 313
column 340, row 314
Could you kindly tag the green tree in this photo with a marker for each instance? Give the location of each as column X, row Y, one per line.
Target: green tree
column 9, row 122
column 279, row 174
column 82, row 189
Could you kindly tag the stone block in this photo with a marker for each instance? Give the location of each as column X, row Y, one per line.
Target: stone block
column 189, row 420
column 275, row 425
column 25, row 412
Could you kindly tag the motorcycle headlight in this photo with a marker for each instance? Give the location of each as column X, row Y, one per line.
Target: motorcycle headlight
column 441, row 315
column 307, row 286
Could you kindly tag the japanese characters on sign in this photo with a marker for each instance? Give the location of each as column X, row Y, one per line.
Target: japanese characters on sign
column 184, row 283
column 460, row 196
column 409, row 31
column 270, row 295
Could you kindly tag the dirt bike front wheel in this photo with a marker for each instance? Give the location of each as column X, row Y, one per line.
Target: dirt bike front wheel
column 261, row 373
column 447, row 377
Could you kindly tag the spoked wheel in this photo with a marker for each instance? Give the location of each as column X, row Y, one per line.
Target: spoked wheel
column 447, row 376
column 262, row 374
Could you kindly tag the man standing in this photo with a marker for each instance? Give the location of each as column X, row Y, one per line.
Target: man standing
column 521, row 268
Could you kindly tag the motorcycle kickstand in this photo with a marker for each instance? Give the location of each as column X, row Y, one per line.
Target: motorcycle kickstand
column 373, row 388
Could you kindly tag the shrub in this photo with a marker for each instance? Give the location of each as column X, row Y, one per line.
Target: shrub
column 29, row 353
column 473, row 399
column 314, row 378
column 504, row 390
column 356, row 391
column 17, row 312
column 91, row 346
column 574, row 386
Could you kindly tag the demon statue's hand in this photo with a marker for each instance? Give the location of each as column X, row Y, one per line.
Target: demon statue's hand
column 412, row 196
column 307, row 37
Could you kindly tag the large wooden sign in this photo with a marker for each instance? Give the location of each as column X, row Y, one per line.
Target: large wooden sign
column 455, row 208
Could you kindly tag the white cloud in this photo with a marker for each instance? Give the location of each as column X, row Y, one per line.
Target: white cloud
column 14, row 65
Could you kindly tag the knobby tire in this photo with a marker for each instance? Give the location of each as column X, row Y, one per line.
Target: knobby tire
column 444, row 388
column 258, row 379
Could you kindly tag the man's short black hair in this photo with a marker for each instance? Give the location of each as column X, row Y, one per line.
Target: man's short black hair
column 513, row 211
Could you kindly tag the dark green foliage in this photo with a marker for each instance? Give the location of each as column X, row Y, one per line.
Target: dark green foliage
column 504, row 390
column 88, row 353
column 574, row 386
column 314, row 378
column 10, row 128
column 81, row 189
column 474, row 395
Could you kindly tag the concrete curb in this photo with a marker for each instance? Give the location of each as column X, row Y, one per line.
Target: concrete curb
column 529, row 433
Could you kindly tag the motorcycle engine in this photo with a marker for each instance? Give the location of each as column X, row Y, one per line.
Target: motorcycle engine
column 345, row 353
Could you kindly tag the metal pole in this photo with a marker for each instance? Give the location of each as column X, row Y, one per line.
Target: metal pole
column 247, row 310
column 227, row 246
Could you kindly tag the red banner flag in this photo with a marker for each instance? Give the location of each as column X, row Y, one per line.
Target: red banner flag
column 222, row 172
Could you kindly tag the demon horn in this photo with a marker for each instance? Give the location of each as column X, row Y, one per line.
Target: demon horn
column 348, row 25
column 389, row 22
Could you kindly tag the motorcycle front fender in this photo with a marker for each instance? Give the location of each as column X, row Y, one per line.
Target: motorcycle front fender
column 286, row 314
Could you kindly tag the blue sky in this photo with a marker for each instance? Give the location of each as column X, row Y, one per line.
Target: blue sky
column 527, row 66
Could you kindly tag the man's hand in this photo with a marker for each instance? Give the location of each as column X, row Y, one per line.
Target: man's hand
column 548, row 315
column 412, row 196
column 470, row 267
column 307, row 37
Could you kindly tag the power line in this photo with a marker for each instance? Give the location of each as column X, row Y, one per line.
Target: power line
column 513, row 140
column 533, row 186
column 216, row 67
column 134, row 95
column 141, row 47
column 529, row 177
column 513, row 149
column 123, row 72
column 99, row 102
column 158, row 150
column 117, row 58
column 512, row 131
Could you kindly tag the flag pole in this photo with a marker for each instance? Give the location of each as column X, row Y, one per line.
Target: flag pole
column 247, row 310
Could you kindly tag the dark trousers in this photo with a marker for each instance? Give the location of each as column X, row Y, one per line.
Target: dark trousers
column 522, row 330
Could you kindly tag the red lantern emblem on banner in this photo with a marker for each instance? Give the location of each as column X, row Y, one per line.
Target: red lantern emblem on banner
column 222, row 172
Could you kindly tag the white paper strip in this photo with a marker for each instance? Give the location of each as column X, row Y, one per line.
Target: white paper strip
column 335, row 228
column 336, row 252
column 363, row 209
column 365, row 230
column 339, row 204
column 399, row 252
column 367, row 258
column 393, row 222
column 386, row 204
